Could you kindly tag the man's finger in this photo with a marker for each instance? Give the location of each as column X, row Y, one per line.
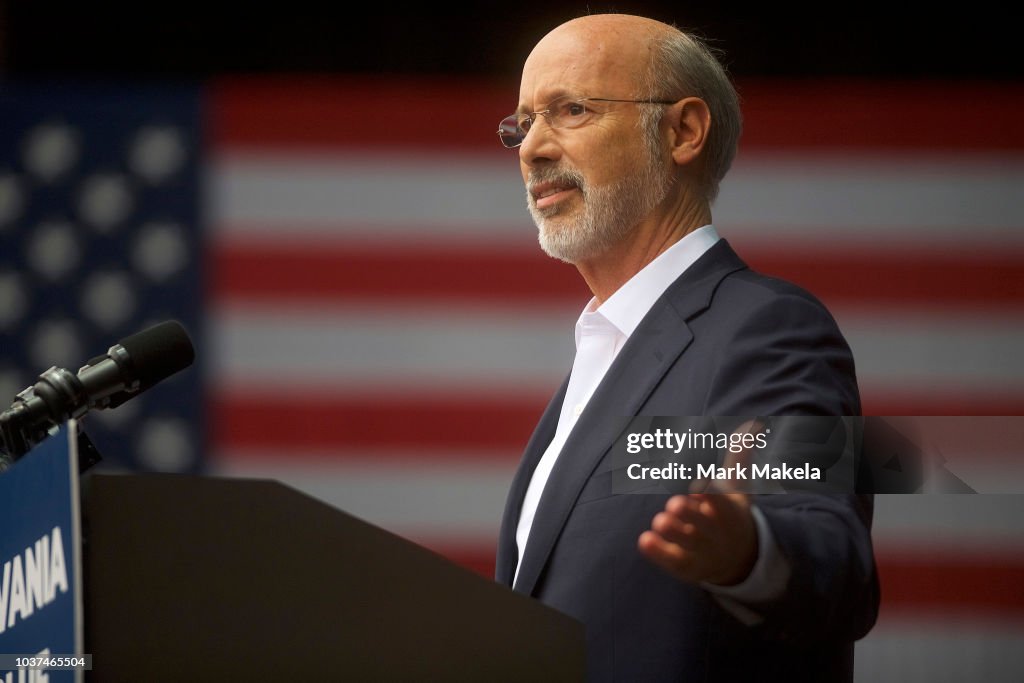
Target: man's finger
column 684, row 534
column 721, row 508
column 688, row 509
column 669, row 556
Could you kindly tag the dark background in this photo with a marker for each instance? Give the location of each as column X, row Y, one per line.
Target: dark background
column 977, row 41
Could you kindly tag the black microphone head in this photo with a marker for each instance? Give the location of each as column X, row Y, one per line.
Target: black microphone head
column 158, row 352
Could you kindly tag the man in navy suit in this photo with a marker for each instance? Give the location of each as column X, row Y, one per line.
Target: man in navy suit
column 625, row 127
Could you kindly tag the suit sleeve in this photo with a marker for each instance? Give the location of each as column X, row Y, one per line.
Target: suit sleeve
column 786, row 356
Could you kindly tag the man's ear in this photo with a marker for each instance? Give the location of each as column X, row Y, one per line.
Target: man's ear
column 690, row 121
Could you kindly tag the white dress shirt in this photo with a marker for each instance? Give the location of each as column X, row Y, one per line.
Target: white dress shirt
column 601, row 332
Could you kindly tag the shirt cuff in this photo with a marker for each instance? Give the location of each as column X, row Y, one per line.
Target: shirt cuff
column 766, row 582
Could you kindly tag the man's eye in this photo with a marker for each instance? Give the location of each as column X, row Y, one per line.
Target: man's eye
column 524, row 123
column 575, row 109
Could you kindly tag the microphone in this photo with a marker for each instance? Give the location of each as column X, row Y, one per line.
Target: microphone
column 130, row 367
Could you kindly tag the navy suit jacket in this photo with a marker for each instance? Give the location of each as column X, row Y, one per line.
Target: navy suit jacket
column 722, row 340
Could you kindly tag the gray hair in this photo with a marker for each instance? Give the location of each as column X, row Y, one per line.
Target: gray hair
column 683, row 65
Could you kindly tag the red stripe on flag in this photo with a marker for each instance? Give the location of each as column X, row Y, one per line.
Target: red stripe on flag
column 464, row 273
column 418, row 424
column 455, row 273
column 885, row 401
column 317, row 112
column 970, row 582
column 890, row 116
column 323, row 112
column 899, row 277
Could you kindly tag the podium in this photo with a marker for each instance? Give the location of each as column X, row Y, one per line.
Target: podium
column 40, row 561
column 196, row 578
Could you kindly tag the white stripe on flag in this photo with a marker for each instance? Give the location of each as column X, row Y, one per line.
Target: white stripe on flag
column 891, row 197
column 430, row 500
column 959, row 523
column 352, row 346
column 936, row 351
column 374, row 195
column 944, row 199
column 941, row 648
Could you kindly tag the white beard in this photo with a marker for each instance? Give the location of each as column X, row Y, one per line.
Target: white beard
column 609, row 213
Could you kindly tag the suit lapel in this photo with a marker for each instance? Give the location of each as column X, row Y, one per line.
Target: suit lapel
column 651, row 350
column 508, row 553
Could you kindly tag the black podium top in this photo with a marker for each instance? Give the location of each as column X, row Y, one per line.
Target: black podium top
column 194, row 578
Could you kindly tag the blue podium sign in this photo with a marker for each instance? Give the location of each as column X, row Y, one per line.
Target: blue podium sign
column 40, row 560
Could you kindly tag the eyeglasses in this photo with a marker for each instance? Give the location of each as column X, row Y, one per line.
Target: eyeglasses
column 562, row 112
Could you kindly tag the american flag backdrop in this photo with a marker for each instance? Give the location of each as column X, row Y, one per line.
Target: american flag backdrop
column 377, row 326
column 100, row 237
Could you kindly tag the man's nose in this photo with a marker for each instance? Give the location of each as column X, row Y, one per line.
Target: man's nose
column 540, row 144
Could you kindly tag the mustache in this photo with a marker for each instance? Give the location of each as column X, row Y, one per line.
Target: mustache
column 567, row 176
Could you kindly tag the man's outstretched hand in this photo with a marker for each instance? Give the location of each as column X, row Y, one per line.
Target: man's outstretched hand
column 709, row 534
column 707, row 537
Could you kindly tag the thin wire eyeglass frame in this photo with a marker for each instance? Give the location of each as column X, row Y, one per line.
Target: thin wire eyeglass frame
column 510, row 127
